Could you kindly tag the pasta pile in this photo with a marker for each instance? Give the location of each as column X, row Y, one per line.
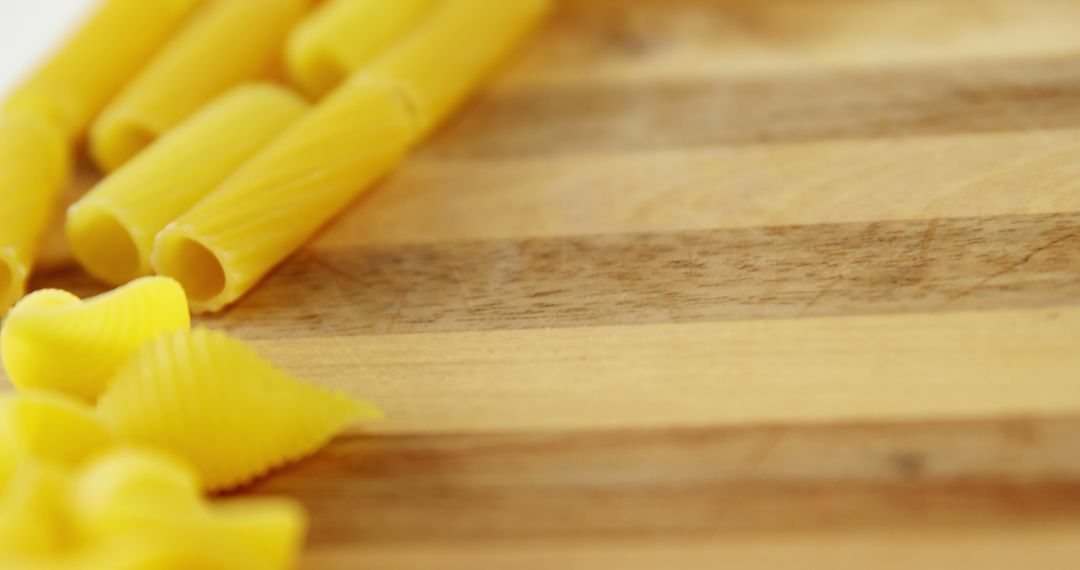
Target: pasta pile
column 217, row 169
column 95, row 337
column 112, row 229
column 228, row 43
column 106, row 450
column 77, row 499
column 73, row 87
column 215, row 173
column 33, row 165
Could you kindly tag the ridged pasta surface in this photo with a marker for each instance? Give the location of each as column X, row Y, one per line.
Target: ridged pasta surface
column 214, row 402
column 445, row 58
column 110, row 48
column 226, row 44
column 52, row 340
column 227, row 242
column 111, row 230
column 344, row 35
column 33, row 166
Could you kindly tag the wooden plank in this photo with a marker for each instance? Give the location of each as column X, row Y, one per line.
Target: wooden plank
column 954, row 365
column 1052, row 547
column 605, row 487
column 748, row 186
column 693, row 276
column 807, row 106
column 606, row 41
column 706, row 283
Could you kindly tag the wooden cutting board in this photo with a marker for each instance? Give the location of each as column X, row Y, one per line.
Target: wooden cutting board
column 727, row 283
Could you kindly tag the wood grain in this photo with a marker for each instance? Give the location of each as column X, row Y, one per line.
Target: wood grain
column 706, row 283
column 607, row 41
column 920, row 178
column 692, row 276
column 972, row 97
column 1052, row 547
column 900, row 367
column 721, row 488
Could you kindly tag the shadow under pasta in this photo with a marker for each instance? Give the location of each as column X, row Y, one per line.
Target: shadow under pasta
column 118, row 140
column 319, row 71
column 7, row 285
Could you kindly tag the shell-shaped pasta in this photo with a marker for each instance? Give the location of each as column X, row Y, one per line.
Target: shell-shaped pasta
column 134, row 491
column 115, row 492
column 99, row 59
column 111, row 230
column 221, row 247
column 39, row 427
column 52, row 340
column 34, row 514
column 33, row 165
column 226, row 44
column 444, row 58
column 344, row 35
column 214, row 402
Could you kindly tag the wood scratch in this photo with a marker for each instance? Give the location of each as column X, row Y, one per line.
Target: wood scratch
column 821, row 295
column 754, row 463
column 1012, row 267
column 924, row 247
column 765, row 452
column 319, row 261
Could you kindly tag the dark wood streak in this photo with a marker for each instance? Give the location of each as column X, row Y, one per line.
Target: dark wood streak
column 685, row 483
column 691, row 276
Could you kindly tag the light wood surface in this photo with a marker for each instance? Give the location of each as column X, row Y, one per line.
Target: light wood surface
column 707, row 283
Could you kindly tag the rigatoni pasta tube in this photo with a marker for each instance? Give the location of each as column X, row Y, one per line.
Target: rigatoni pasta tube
column 228, row 43
column 34, row 163
column 111, row 230
column 258, row 216
column 344, row 35
column 100, row 58
column 452, row 49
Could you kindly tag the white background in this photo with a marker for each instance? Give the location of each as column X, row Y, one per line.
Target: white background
column 30, row 29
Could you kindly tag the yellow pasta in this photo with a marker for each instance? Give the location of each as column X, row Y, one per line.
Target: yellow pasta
column 52, row 340
column 34, row 513
column 51, row 429
column 231, row 239
column 181, row 550
column 344, row 35
column 258, row 216
column 228, row 43
column 136, row 479
column 111, row 230
column 33, row 165
column 213, row 402
column 99, row 59
column 446, row 56
column 134, row 491
column 272, row 530
column 139, row 510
